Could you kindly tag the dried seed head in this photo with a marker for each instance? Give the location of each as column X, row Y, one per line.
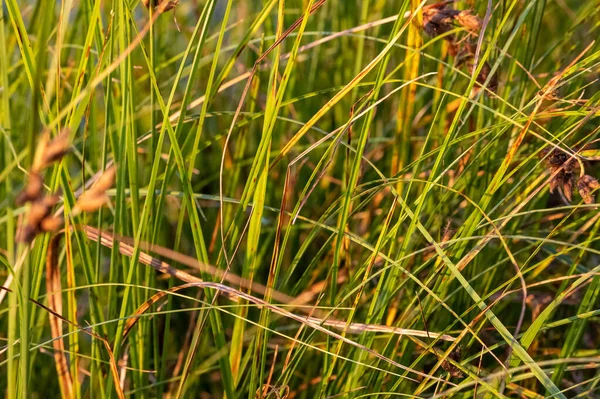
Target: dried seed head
column 567, row 187
column 550, row 95
column 49, row 151
column 38, row 163
column 166, row 5
column 468, row 20
column 32, row 191
column 483, row 75
column 562, row 168
column 440, row 19
column 161, row 5
column 26, row 234
column 554, row 183
column 557, row 158
column 586, row 185
column 466, row 57
column 51, row 223
column 448, row 232
column 51, row 200
column 38, row 211
column 106, row 180
column 94, row 198
column 57, row 148
column 91, row 203
column 453, row 48
column 437, row 21
column 565, row 181
column 41, row 209
column 454, row 371
column 39, row 219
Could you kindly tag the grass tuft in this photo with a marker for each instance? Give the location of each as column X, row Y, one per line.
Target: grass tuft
column 299, row 199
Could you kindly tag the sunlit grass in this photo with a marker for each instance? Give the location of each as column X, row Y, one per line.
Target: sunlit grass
column 316, row 198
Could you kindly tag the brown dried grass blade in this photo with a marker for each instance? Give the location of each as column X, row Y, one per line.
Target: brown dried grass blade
column 107, row 239
column 126, row 244
column 142, row 309
column 315, row 323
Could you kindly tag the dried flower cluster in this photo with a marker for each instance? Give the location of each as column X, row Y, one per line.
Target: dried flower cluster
column 585, row 186
column 39, row 217
column 454, row 371
column 47, row 152
column 161, row 5
column 440, row 19
column 94, row 198
column 564, row 170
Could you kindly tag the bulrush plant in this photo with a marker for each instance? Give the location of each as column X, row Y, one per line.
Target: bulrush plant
column 440, row 19
column 39, row 217
column 564, row 168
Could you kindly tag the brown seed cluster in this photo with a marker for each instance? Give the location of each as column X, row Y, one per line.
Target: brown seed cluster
column 161, row 5
column 440, row 18
column 586, row 185
column 454, row 371
column 94, row 198
column 564, row 170
column 47, row 152
column 39, row 218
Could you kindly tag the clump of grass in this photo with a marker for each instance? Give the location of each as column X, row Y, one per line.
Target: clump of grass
column 321, row 198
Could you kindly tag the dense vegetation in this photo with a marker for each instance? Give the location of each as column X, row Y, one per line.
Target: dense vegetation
column 299, row 199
